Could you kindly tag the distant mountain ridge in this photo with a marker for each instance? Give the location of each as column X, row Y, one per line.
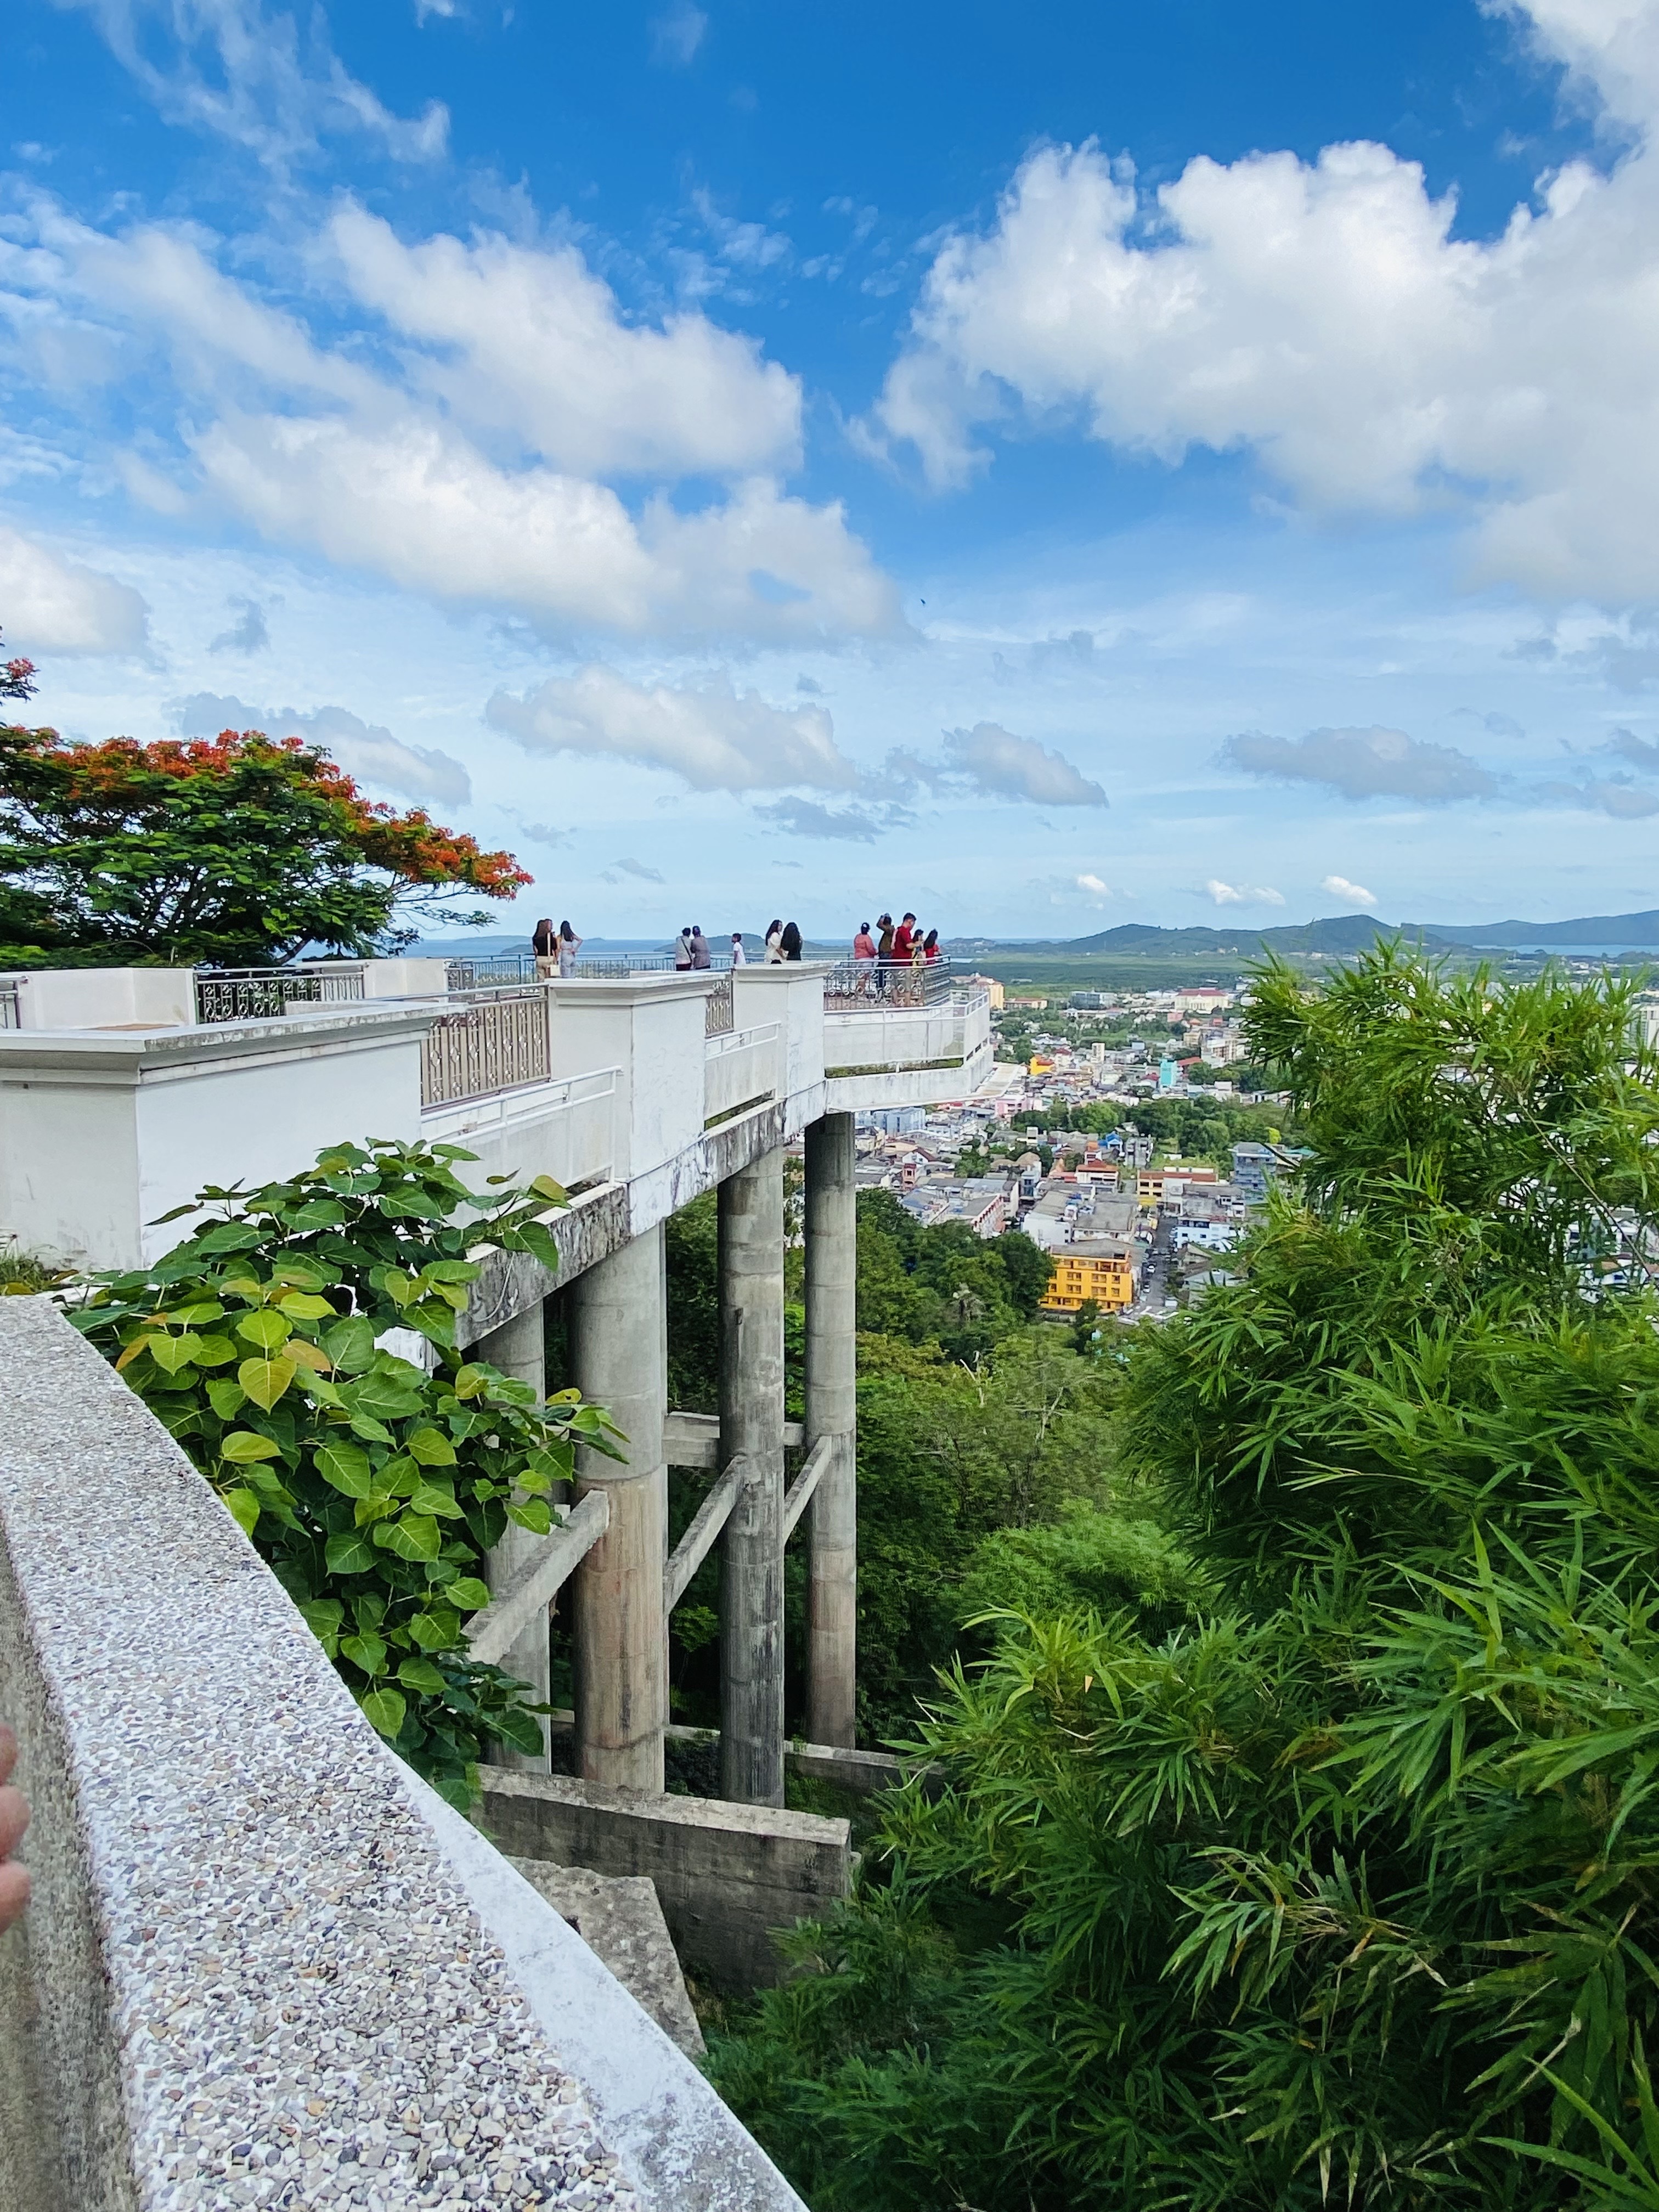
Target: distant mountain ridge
column 1353, row 933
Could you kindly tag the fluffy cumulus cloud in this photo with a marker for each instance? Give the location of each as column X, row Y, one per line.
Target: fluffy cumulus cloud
column 1355, row 894
column 1371, row 763
column 1095, row 885
column 470, row 465
column 363, row 750
column 54, row 606
column 1241, row 893
column 531, row 343
column 717, row 738
column 1003, row 766
column 1324, row 316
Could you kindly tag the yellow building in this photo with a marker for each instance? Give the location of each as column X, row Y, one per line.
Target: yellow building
column 1098, row 1268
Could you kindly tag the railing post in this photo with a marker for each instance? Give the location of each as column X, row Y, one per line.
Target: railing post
column 751, row 1432
column 518, row 1349
column 619, row 1340
column 832, row 1415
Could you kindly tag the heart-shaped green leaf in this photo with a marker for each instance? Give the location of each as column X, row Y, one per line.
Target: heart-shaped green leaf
column 226, row 1397
column 533, row 1515
column 170, row 1353
column 438, row 1630
column 468, row 1592
column 350, row 1344
column 267, row 1330
column 265, row 1380
column 243, row 1445
column 215, row 1352
column 386, row 1709
column 346, row 1467
column 431, row 1447
column 420, row 1674
column 244, row 1507
column 433, row 1498
column 349, row 1554
column 368, row 1652
column 305, row 1305
column 411, row 1536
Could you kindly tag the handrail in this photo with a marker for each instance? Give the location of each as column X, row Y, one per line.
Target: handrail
column 877, row 986
column 242, row 994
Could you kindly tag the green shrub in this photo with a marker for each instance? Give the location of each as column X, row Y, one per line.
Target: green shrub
column 372, row 1488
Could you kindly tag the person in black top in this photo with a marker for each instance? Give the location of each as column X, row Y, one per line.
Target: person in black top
column 789, row 942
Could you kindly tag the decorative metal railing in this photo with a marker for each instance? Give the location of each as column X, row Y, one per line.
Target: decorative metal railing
column 717, row 1015
column 251, row 994
column 497, row 1040
column 12, row 1012
column 874, row 987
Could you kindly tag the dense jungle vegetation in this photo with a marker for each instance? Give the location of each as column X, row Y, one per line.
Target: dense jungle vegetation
column 1314, row 1861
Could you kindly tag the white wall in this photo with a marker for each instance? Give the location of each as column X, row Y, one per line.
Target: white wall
column 107, row 998
column 100, row 1131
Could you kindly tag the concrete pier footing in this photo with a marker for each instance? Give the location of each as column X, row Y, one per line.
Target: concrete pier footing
column 518, row 1349
column 751, row 1433
column 832, row 1412
column 617, row 1345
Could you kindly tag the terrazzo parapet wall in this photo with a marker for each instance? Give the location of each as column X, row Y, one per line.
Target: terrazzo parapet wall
column 263, row 1965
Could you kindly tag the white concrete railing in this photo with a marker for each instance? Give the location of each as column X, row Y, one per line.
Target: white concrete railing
column 565, row 1129
column 117, row 1106
column 263, row 1963
column 740, row 1069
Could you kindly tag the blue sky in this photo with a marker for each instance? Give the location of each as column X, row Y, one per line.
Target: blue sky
column 1044, row 467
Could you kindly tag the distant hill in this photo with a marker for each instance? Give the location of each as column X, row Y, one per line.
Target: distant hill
column 1348, row 932
column 1343, row 933
column 1632, row 930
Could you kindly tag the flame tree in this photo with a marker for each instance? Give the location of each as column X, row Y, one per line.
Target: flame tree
column 238, row 850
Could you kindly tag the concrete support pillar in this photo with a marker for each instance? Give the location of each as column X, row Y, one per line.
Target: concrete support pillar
column 832, row 1411
column 752, row 1430
column 517, row 1349
column 617, row 1341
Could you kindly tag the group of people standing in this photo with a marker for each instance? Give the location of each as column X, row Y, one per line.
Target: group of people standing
column 555, row 949
column 899, row 945
column 691, row 947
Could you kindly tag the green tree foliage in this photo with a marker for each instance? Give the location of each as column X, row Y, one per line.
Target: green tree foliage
column 1344, row 1891
column 948, row 1455
column 372, row 1488
column 943, row 1285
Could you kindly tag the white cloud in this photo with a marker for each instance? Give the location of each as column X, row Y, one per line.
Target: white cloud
column 715, row 736
column 1091, row 883
column 254, row 77
column 1243, row 894
column 1325, row 317
column 366, row 750
column 676, row 34
column 319, row 452
column 807, row 817
column 1355, row 894
column 534, row 343
column 1004, row 766
column 50, row 606
column 1365, row 764
column 424, row 506
column 638, row 869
